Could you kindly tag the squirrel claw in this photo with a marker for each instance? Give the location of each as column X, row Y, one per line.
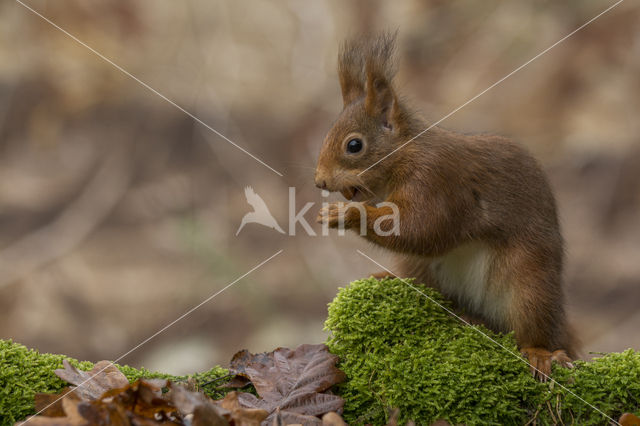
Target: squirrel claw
column 328, row 214
column 334, row 214
column 560, row 357
column 540, row 361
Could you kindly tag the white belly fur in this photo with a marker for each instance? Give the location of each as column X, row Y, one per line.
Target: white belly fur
column 464, row 275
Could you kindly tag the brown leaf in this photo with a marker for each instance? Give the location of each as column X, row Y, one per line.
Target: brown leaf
column 51, row 404
column 71, row 407
column 207, row 412
column 291, row 381
column 48, row 421
column 207, row 415
column 310, row 368
column 92, row 384
column 140, row 403
column 142, row 398
column 241, row 416
column 71, row 416
column 629, row 419
column 204, row 410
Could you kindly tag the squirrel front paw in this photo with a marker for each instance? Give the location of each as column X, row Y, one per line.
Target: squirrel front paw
column 335, row 214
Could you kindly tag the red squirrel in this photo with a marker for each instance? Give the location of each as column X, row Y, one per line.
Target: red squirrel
column 477, row 221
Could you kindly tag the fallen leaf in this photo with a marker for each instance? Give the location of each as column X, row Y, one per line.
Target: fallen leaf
column 201, row 409
column 50, row 405
column 629, row 419
column 290, row 384
column 92, row 384
column 70, row 414
column 142, row 398
column 241, row 416
column 141, row 403
column 291, row 381
column 185, row 400
column 71, row 407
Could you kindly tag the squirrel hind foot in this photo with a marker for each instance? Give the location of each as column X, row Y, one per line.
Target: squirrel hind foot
column 540, row 361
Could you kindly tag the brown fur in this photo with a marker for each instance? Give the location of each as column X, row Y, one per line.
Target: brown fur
column 479, row 204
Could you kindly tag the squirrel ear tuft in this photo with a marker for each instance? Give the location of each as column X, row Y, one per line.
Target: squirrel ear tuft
column 351, row 70
column 380, row 98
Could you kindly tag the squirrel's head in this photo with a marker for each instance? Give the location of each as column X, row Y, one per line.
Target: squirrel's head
column 371, row 125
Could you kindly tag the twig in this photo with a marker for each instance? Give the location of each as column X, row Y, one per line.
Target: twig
column 217, row 379
column 558, row 409
column 533, row 419
column 551, row 412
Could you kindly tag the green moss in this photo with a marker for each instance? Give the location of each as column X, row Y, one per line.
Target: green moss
column 401, row 350
column 611, row 384
column 25, row 372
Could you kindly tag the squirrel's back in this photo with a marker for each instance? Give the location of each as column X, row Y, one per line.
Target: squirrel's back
column 495, row 183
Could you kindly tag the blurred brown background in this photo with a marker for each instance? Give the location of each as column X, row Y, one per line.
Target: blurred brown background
column 118, row 212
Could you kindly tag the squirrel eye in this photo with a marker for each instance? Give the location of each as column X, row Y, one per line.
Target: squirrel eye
column 354, row 145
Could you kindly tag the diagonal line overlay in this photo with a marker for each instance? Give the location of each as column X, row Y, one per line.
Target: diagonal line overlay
column 145, row 85
column 492, row 86
column 520, row 357
column 158, row 332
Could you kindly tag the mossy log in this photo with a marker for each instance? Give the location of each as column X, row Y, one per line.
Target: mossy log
column 401, row 350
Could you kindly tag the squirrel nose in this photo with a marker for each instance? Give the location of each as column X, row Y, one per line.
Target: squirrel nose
column 322, row 184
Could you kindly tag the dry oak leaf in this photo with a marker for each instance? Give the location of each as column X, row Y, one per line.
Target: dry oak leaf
column 196, row 408
column 50, row 404
column 104, row 376
column 239, row 415
column 70, row 414
column 103, row 396
column 142, row 399
column 140, row 403
column 290, row 382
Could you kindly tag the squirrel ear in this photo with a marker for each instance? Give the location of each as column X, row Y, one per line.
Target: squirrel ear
column 380, row 99
column 351, row 70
